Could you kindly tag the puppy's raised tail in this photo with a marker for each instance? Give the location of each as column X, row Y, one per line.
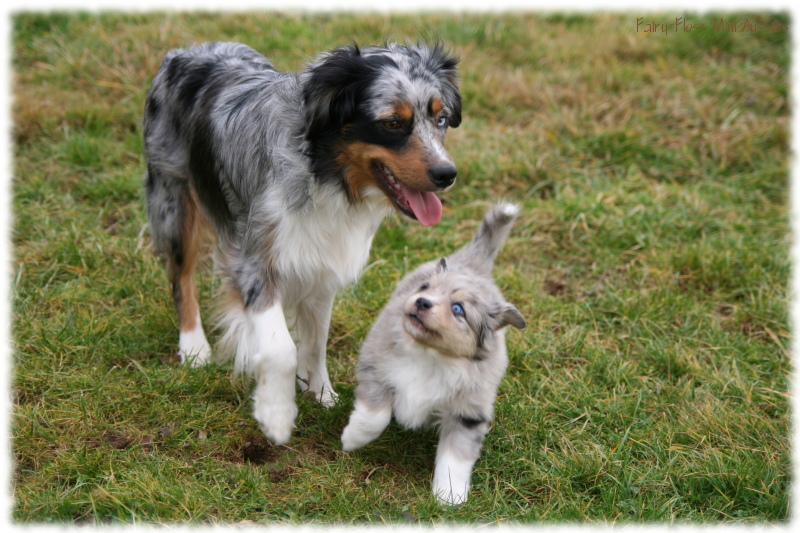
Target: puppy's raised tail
column 480, row 253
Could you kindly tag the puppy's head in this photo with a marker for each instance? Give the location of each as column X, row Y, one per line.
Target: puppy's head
column 376, row 119
column 457, row 315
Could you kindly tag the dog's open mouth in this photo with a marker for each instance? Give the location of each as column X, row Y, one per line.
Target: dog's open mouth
column 415, row 323
column 423, row 206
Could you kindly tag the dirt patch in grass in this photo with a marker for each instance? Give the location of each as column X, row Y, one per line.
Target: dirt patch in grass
column 121, row 440
column 276, row 476
column 555, row 287
column 258, row 450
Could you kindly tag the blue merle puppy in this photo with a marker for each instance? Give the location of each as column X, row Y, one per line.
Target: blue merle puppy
column 436, row 355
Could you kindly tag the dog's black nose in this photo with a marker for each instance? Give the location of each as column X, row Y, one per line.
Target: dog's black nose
column 423, row 304
column 443, row 175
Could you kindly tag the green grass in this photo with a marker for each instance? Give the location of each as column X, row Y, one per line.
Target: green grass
column 650, row 261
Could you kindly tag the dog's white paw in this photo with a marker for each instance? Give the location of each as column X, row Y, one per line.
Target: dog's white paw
column 365, row 426
column 352, row 439
column 448, row 492
column 451, row 479
column 275, row 419
column 328, row 398
column 194, row 348
column 448, row 497
column 324, row 394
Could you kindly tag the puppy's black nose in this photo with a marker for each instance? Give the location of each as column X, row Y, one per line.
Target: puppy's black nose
column 423, row 304
column 442, row 176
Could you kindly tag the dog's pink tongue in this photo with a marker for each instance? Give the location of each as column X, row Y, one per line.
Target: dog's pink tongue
column 426, row 206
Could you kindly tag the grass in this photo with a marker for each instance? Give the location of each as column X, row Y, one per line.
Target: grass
column 650, row 261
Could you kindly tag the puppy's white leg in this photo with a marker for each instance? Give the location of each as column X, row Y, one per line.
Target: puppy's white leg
column 366, row 424
column 193, row 345
column 313, row 323
column 459, row 447
column 274, row 366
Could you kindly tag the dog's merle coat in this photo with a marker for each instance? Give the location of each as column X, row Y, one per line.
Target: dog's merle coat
column 436, row 355
column 293, row 173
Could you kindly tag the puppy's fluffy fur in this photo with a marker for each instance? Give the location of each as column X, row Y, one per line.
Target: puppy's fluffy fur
column 293, row 173
column 436, row 355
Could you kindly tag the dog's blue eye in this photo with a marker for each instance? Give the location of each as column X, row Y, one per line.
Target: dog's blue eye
column 425, row 286
column 442, row 122
column 458, row 309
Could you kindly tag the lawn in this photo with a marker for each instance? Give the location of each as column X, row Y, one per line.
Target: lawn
column 650, row 259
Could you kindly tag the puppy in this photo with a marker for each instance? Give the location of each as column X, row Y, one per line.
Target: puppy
column 292, row 173
column 436, row 355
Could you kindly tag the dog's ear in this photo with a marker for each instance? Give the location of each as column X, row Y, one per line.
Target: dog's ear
column 335, row 86
column 443, row 64
column 441, row 266
column 512, row 317
column 507, row 315
column 500, row 315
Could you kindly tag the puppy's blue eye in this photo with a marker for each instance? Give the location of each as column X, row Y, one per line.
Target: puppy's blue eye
column 425, row 286
column 442, row 122
column 458, row 309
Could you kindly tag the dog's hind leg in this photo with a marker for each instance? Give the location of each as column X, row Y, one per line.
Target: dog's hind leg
column 193, row 345
column 313, row 323
column 175, row 225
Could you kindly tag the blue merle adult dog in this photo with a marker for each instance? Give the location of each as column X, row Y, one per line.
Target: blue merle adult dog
column 293, row 173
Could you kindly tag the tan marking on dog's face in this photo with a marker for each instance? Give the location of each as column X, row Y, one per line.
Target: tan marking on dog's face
column 408, row 165
column 438, row 327
column 436, row 106
column 357, row 175
column 404, row 111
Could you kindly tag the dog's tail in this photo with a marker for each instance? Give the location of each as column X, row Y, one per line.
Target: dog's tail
column 497, row 222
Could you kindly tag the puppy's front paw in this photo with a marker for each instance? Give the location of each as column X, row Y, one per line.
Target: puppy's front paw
column 448, row 497
column 365, row 425
column 451, row 478
column 451, row 494
column 352, row 439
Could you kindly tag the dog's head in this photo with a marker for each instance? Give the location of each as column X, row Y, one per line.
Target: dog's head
column 457, row 314
column 376, row 118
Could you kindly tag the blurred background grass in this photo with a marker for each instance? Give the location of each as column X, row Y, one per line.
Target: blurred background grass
column 650, row 261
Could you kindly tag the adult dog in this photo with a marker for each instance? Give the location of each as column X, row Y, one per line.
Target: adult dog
column 293, row 172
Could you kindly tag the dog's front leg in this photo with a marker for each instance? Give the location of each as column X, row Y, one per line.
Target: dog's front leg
column 460, row 441
column 275, row 368
column 313, row 323
column 367, row 421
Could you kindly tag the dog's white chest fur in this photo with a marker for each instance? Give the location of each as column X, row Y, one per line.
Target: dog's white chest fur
column 327, row 245
column 426, row 383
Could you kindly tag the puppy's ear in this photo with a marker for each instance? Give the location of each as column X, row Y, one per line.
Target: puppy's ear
column 512, row 317
column 442, row 266
column 508, row 315
column 335, row 87
column 502, row 315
